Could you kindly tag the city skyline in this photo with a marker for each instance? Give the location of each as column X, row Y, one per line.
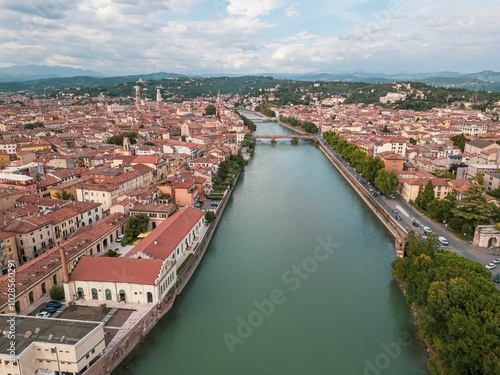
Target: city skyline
column 118, row 37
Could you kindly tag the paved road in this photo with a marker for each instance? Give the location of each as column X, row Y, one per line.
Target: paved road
column 408, row 215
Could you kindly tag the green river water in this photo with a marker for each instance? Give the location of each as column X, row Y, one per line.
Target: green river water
column 297, row 280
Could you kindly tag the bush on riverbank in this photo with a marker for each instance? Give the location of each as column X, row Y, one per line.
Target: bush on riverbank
column 457, row 308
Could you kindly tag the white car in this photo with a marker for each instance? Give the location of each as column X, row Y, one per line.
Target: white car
column 427, row 230
column 43, row 314
column 496, row 261
column 443, row 241
column 490, row 266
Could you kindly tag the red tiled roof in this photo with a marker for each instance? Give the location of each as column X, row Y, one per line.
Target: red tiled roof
column 118, row 270
column 163, row 240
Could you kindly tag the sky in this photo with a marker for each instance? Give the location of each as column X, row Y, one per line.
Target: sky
column 118, row 37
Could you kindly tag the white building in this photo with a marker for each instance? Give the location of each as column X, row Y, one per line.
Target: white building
column 121, row 279
column 50, row 345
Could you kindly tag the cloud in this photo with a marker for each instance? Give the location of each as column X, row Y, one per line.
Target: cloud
column 240, row 36
column 254, row 8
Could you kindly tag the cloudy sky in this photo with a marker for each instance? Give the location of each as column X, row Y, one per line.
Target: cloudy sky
column 252, row 36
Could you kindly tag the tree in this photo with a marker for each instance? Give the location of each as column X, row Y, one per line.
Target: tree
column 385, row 129
column 495, row 193
column 460, row 141
column 209, row 216
column 473, row 209
column 136, row 225
column 64, row 196
column 210, row 110
column 148, row 143
column 294, row 141
column 386, row 182
column 425, row 196
column 413, row 141
column 480, row 179
column 440, row 209
column 57, row 292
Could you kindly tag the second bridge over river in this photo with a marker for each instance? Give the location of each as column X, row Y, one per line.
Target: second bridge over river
column 276, row 136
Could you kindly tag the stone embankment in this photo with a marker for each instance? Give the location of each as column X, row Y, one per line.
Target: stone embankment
column 399, row 234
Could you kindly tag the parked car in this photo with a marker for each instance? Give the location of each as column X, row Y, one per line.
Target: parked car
column 215, row 204
column 416, row 224
column 443, row 240
column 49, row 309
column 490, row 266
column 43, row 314
column 54, row 304
column 120, row 237
column 427, row 230
column 496, row 278
column 496, row 261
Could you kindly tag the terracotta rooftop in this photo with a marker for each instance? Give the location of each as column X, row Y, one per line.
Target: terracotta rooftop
column 163, row 240
column 118, row 270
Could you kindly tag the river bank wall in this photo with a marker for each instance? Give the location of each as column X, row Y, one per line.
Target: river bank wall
column 386, row 219
column 111, row 359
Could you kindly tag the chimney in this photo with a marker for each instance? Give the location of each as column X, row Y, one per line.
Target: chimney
column 64, row 265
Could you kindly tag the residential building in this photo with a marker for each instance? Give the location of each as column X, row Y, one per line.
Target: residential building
column 50, row 346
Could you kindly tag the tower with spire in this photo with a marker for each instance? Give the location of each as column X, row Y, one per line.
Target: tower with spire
column 218, row 106
column 126, row 146
column 158, row 97
column 137, row 96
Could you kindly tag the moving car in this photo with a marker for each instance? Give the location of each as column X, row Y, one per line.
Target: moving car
column 496, row 278
column 120, row 238
column 416, row 224
column 395, row 211
column 443, row 240
column 496, row 261
column 427, row 230
column 397, row 217
column 43, row 314
column 490, row 266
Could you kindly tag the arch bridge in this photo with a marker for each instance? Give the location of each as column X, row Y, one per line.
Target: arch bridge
column 275, row 137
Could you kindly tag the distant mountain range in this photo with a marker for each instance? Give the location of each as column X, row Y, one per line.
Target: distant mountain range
column 486, row 80
column 19, row 73
column 48, row 78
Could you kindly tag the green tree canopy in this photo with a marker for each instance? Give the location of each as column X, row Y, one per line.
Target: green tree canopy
column 386, row 182
column 136, row 225
column 425, row 196
column 473, row 209
column 210, row 110
column 460, row 141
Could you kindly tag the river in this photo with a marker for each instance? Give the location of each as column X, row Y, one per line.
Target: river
column 297, row 280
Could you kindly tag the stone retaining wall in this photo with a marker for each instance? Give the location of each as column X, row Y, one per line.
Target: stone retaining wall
column 398, row 233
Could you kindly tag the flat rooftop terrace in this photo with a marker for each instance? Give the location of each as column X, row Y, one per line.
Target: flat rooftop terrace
column 63, row 331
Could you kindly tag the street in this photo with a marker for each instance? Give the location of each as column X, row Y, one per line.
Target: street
column 408, row 214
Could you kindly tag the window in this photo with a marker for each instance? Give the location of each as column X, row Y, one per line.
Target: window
column 94, row 293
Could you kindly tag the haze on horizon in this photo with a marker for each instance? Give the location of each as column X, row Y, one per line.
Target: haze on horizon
column 118, row 37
